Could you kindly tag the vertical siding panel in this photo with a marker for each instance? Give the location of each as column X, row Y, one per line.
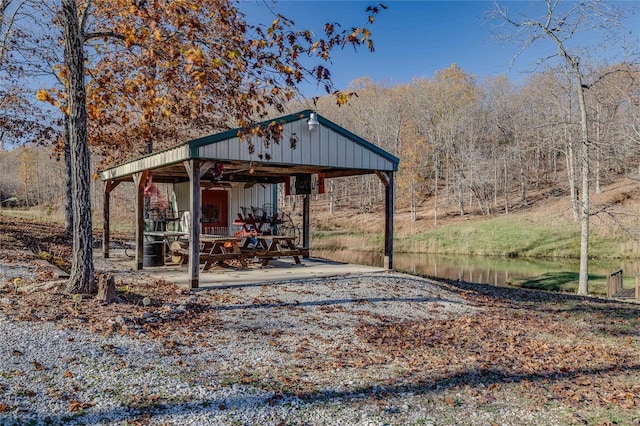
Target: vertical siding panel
column 284, row 151
column 304, row 143
column 276, row 154
column 235, row 147
column 323, row 146
column 309, row 146
column 355, row 155
column 302, row 151
column 352, row 151
column 328, row 147
column 339, row 151
column 345, row 149
column 332, row 148
column 365, row 157
column 320, row 141
column 315, row 149
column 182, row 195
column 342, row 146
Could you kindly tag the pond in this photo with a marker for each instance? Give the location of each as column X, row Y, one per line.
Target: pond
column 497, row 271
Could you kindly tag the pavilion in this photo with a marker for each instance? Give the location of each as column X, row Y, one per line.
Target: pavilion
column 310, row 145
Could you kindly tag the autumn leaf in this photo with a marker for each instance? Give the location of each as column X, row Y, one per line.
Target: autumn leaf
column 38, row 366
column 75, row 406
column 44, row 96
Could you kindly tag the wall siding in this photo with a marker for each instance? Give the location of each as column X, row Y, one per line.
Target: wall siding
column 256, row 196
column 324, row 147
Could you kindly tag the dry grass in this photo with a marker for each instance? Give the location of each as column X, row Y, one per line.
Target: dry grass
column 614, row 225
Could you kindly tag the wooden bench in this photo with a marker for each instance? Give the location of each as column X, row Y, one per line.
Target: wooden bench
column 265, row 255
column 615, row 287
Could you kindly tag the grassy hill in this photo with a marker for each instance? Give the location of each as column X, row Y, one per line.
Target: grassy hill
column 543, row 228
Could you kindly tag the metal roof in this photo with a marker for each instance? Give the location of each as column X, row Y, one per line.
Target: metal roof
column 330, row 149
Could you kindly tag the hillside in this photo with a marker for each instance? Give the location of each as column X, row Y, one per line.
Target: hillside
column 614, row 226
column 542, row 227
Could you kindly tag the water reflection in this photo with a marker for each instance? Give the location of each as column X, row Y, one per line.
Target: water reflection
column 486, row 270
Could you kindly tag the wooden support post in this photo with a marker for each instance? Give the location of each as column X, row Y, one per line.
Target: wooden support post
column 109, row 186
column 387, row 180
column 193, row 170
column 140, row 179
column 305, row 224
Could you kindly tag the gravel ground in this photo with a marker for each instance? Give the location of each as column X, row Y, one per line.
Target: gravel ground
column 50, row 375
column 285, row 353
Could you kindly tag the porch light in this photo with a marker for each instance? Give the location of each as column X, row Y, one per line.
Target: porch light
column 313, row 122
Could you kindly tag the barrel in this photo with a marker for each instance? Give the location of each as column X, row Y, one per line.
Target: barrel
column 153, row 253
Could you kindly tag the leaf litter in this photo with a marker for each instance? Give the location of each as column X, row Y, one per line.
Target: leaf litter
column 462, row 348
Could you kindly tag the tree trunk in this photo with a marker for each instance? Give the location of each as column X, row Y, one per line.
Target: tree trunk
column 506, row 186
column 460, row 196
column 435, row 188
column 413, row 203
column 68, row 208
column 81, row 279
column 331, row 196
column 583, row 284
column 571, row 172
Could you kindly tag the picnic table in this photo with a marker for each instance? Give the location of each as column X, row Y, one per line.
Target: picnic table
column 215, row 249
column 266, row 247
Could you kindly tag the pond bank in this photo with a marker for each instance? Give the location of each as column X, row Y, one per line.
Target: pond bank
column 544, row 274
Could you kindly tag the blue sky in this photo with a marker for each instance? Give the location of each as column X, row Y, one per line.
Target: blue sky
column 414, row 39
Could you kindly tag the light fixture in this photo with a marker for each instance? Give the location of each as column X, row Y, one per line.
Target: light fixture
column 313, row 122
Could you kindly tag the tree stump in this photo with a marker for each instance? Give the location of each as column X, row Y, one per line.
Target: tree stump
column 107, row 289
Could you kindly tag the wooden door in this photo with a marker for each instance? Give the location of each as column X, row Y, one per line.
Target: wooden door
column 215, row 206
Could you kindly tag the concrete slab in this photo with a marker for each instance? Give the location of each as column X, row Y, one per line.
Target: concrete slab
column 277, row 270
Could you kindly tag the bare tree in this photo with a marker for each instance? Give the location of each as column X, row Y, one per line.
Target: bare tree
column 560, row 23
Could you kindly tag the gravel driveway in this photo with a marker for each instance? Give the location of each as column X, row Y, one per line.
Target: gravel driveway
column 218, row 373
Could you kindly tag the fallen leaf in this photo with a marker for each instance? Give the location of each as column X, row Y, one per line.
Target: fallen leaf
column 38, row 366
column 78, row 406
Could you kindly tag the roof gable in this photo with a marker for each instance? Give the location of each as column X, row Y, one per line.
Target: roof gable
column 329, row 147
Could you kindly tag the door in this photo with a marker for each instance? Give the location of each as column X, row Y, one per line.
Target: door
column 215, row 208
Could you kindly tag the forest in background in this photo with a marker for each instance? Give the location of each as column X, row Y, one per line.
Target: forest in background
column 465, row 147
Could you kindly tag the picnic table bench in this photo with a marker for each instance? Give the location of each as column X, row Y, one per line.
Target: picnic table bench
column 267, row 247
column 222, row 249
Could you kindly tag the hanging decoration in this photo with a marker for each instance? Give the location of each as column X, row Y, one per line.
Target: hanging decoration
column 217, row 171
